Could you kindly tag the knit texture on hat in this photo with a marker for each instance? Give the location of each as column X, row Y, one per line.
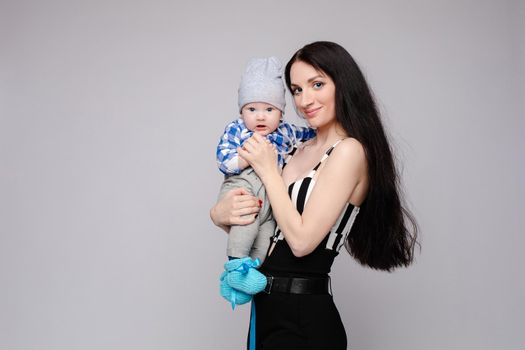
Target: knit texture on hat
column 262, row 82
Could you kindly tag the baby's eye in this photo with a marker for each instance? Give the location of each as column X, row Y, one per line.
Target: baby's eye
column 318, row 85
column 251, row 109
column 269, row 109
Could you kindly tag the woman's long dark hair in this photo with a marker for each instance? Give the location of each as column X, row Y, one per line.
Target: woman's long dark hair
column 380, row 237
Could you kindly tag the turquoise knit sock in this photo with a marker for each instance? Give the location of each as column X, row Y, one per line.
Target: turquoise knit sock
column 241, row 263
column 235, row 297
column 243, row 276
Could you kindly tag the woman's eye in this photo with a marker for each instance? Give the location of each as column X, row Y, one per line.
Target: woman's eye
column 297, row 91
column 318, row 85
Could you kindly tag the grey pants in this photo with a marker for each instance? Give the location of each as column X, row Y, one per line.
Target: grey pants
column 254, row 239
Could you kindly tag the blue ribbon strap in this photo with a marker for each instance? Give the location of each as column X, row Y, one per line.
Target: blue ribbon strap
column 252, row 327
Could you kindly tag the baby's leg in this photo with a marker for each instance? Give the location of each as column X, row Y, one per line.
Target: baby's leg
column 262, row 241
column 241, row 237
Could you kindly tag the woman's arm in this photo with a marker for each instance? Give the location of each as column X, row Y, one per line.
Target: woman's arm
column 232, row 208
column 334, row 186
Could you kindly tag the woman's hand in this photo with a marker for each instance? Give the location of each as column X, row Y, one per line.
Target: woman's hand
column 235, row 208
column 260, row 154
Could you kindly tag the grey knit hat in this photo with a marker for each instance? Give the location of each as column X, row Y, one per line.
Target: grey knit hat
column 262, row 82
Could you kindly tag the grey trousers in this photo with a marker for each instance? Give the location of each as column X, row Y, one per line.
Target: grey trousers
column 254, row 239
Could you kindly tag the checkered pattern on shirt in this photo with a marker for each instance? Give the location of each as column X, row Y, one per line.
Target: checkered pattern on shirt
column 284, row 138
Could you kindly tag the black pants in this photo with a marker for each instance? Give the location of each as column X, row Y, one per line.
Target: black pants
column 298, row 321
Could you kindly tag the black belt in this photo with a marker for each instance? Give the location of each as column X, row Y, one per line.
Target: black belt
column 298, row 285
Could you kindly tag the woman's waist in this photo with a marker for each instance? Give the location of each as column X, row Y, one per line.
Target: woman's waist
column 293, row 274
column 272, row 271
column 282, row 262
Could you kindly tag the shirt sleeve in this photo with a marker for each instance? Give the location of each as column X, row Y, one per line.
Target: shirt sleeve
column 292, row 134
column 302, row 133
column 227, row 156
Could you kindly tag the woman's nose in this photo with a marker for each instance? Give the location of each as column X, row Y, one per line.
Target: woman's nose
column 305, row 99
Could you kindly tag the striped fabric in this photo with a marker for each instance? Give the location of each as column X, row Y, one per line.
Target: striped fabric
column 300, row 190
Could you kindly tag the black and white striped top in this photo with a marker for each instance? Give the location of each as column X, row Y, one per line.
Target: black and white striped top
column 320, row 260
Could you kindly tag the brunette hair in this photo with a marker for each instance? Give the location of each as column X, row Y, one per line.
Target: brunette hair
column 384, row 233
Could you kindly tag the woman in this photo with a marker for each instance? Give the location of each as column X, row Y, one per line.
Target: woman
column 340, row 188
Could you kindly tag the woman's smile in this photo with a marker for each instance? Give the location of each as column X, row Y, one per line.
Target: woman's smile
column 310, row 112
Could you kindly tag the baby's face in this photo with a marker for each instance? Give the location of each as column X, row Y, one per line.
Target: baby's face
column 260, row 117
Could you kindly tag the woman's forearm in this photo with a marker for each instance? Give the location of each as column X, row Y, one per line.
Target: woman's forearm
column 288, row 219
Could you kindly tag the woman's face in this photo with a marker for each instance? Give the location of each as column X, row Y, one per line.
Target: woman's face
column 314, row 94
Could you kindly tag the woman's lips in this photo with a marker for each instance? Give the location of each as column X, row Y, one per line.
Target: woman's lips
column 311, row 112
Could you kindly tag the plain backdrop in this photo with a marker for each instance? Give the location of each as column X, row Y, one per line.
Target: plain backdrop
column 110, row 112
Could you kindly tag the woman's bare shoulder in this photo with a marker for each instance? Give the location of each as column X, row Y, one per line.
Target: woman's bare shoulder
column 347, row 167
column 350, row 149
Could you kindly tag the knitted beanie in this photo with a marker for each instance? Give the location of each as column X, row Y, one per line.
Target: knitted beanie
column 262, row 82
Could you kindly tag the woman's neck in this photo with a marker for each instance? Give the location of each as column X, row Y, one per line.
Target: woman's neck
column 328, row 135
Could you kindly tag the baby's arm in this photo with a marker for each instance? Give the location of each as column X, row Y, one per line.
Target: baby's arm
column 292, row 135
column 228, row 159
column 302, row 133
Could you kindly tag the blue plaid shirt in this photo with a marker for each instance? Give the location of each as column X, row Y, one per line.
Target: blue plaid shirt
column 285, row 137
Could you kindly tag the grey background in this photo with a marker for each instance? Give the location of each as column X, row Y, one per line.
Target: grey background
column 110, row 112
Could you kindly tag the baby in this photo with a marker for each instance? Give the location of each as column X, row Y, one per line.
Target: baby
column 261, row 105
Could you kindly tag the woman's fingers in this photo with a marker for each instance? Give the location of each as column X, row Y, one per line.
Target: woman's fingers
column 255, row 140
column 237, row 207
column 258, row 153
column 258, row 138
column 244, row 203
column 254, row 145
column 249, row 145
column 252, row 200
column 240, row 192
column 243, row 153
column 246, row 208
column 246, row 211
column 243, row 220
